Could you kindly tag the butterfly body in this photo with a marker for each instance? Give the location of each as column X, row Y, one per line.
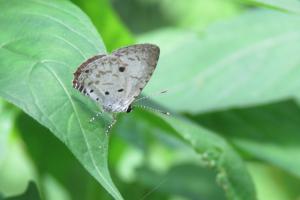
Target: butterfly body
column 116, row 79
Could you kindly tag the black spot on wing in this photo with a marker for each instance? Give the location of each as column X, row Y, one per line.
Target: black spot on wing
column 121, row 69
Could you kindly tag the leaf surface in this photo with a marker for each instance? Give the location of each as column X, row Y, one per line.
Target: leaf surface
column 42, row 45
column 239, row 63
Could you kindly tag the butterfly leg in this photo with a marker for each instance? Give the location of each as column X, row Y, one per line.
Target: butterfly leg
column 97, row 115
column 109, row 127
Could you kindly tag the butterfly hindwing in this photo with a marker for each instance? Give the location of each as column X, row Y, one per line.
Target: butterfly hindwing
column 141, row 60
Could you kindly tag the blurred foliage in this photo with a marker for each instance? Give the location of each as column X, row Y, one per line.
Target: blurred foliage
column 232, row 70
column 31, row 193
column 15, row 166
column 267, row 132
column 113, row 32
column 191, row 14
column 51, row 174
column 273, row 183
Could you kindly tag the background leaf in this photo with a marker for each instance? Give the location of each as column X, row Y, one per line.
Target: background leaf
column 15, row 167
column 113, row 32
column 36, row 62
column 215, row 153
column 195, row 182
column 201, row 68
column 273, row 183
column 31, row 193
column 193, row 14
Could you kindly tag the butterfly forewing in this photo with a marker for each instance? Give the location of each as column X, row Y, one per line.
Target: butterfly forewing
column 115, row 80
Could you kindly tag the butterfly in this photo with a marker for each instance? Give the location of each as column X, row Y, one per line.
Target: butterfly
column 115, row 80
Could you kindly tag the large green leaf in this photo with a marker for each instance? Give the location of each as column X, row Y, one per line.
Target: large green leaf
column 249, row 60
column 55, row 180
column 269, row 133
column 41, row 46
column 286, row 5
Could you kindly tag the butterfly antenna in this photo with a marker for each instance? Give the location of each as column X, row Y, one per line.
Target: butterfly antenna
column 147, row 97
column 151, row 109
column 97, row 115
column 154, row 189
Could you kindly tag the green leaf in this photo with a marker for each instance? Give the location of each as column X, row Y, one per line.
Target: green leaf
column 195, row 182
column 42, row 45
column 7, row 118
column 214, row 152
column 286, row 5
column 272, row 183
column 196, row 14
column 269, row 133
column 113, row 32
column 56, row 180
column 31, row 193
column 15, row 168
column 222, row 68
column 201, row 146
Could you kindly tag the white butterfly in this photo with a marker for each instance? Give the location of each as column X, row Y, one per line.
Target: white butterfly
column 116, row 79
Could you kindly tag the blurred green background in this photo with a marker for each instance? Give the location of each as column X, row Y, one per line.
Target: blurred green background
column 232, row 68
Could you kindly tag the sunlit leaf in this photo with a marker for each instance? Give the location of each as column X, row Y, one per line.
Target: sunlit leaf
column 245, row 61
column 36, row 75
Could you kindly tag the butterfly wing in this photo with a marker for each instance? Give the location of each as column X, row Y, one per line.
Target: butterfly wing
column 141, row 60
column 115, row 80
